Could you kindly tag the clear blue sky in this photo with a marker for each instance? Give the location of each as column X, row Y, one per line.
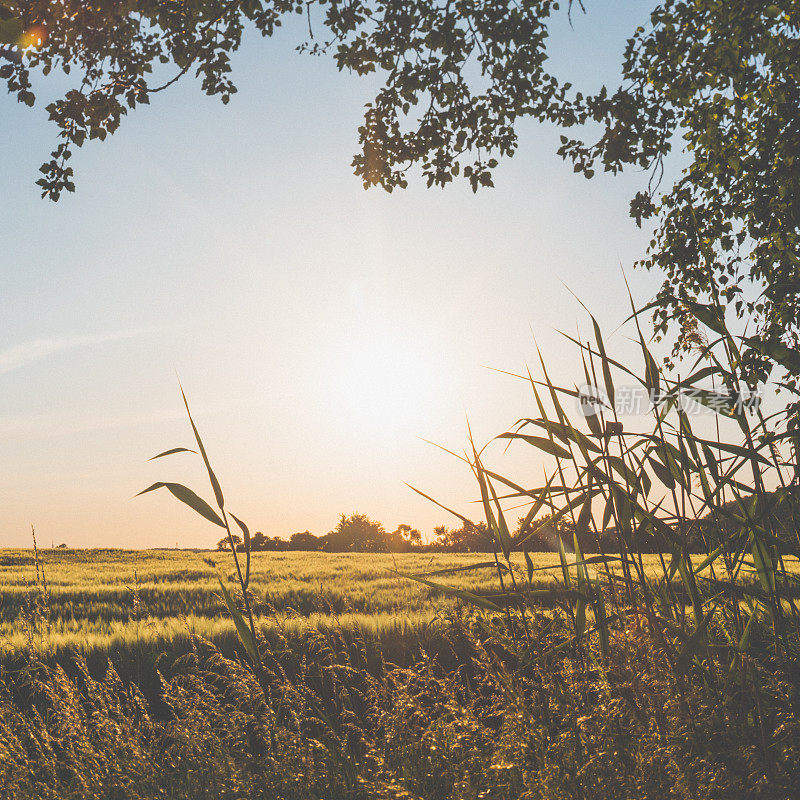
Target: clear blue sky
column 320, row 331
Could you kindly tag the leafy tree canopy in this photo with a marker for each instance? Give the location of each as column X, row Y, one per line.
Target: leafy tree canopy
column 716, row 78
column 304, row 540
column 356, row 533
column 470, row 538
column 225, row 544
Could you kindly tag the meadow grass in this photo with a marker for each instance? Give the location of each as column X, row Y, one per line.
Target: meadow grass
column 547, row 677
column 91, row 605
column 118, row 601
column 91, row 593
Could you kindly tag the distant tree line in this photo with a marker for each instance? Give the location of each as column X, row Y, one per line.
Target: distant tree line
column 357, row 533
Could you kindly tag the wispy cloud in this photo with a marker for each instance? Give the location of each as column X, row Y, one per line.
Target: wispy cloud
column 20, row 355
column 51, row 424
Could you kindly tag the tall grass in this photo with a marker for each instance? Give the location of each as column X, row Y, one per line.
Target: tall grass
column 727, row 542
column 719, row 613
column 469, row 721
column 630, row 677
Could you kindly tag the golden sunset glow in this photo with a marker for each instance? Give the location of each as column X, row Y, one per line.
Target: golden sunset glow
column 323, row 333
column 383, row 383
column 346, row 457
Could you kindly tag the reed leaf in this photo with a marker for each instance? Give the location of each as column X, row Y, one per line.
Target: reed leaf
column 187, row 496
column 242, row 630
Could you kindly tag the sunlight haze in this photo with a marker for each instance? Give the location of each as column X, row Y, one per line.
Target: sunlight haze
column 322, row 333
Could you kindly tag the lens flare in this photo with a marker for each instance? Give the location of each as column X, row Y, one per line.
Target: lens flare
column 34, row 36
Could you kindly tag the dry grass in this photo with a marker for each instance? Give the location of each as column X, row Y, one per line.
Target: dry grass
column 328, row 721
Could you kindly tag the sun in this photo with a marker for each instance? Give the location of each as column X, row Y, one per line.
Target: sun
column 383, row 383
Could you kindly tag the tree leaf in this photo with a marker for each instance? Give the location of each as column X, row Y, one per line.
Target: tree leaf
column 246, row 533
column 529, row 565
column 541, row 443
column 605, row 362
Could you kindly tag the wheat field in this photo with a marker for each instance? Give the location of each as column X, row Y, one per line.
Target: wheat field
column 117, row 600
column 122, row 601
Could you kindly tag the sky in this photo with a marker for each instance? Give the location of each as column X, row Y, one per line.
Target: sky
column 324, row 334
